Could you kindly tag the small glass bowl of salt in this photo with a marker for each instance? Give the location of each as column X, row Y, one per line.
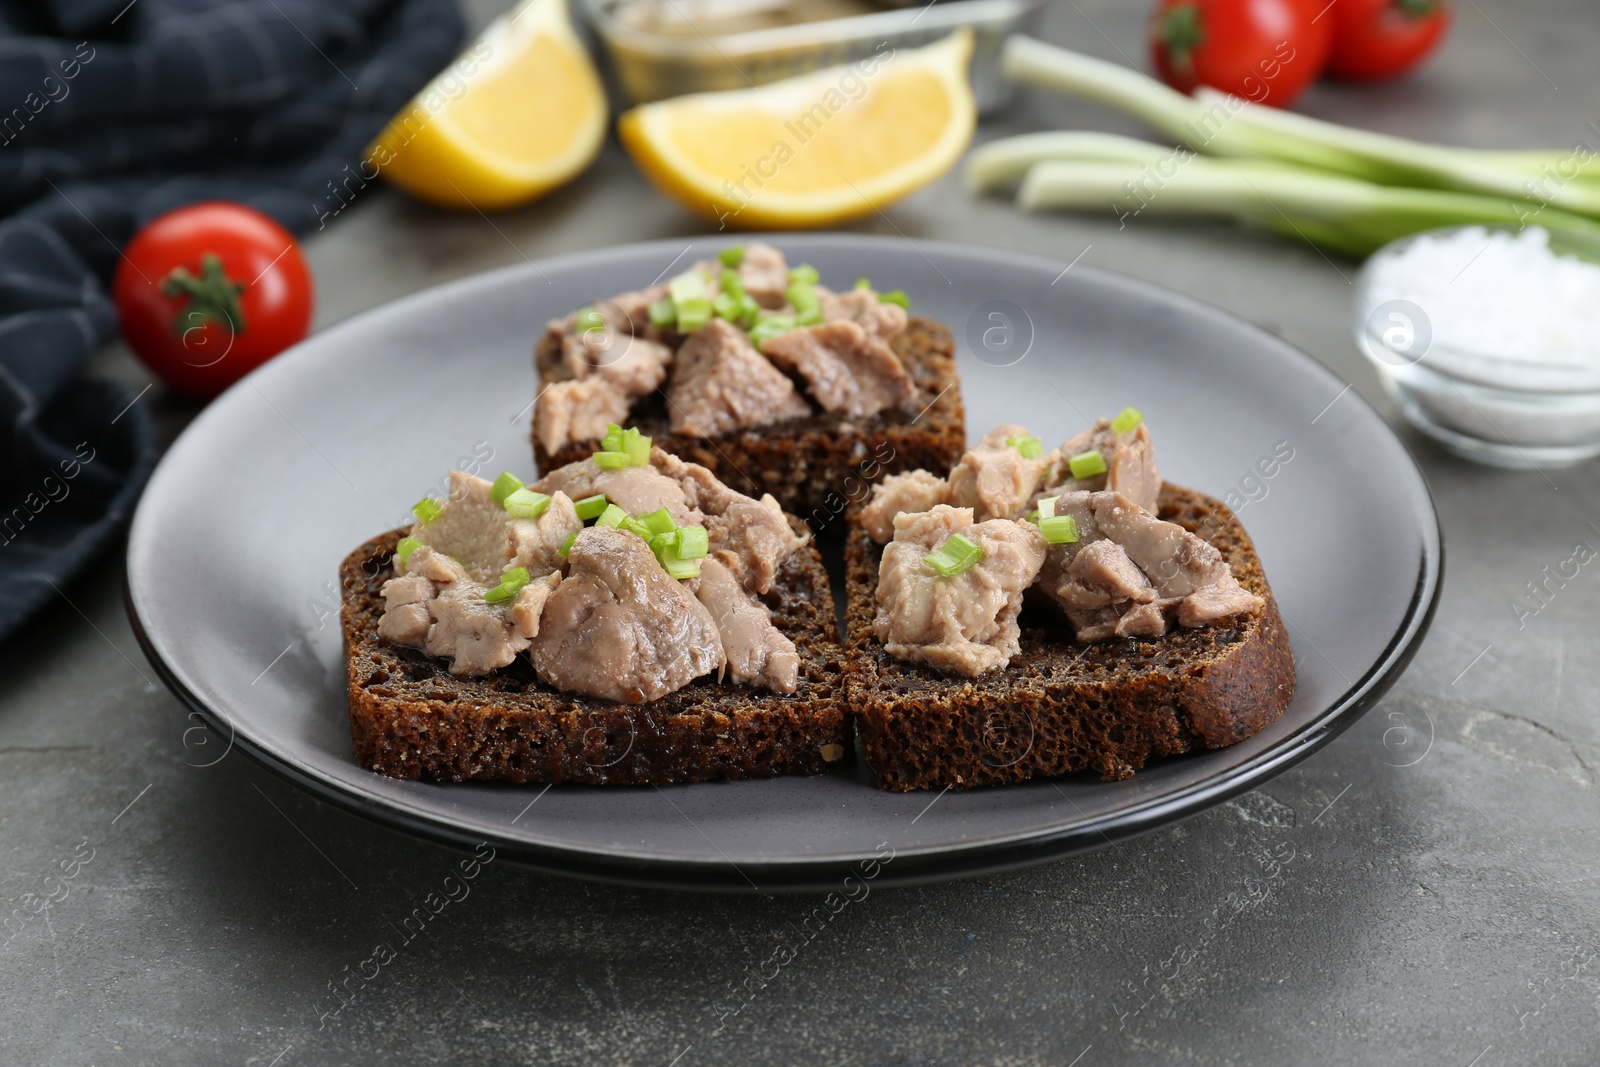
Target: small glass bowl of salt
column 1489, row 341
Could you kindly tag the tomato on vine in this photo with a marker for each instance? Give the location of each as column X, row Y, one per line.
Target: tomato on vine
column 1266, row 51
column 209, row 292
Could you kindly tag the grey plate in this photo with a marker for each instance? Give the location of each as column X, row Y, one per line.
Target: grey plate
column 233, row 552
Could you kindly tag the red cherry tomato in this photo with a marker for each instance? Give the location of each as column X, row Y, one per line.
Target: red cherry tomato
column 1267, row 51
column 208, row 293
column 1375, row 39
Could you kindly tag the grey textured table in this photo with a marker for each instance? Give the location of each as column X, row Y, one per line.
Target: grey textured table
column 1424, row 890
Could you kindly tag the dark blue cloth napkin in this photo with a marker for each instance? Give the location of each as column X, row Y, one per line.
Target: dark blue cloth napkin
column 112, row 112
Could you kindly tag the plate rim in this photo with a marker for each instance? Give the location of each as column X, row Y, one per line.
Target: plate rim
column 915, row 866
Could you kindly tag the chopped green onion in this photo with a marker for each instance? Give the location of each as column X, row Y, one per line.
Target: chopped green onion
column 659, row 521
column 802, row 296
column 1030, row 447
column 503, row 487
column 1058, row 529
column 612, row 441
column 731, row 256
column 589, row 319
column 511, row 583
column 771, row 326
column 1087, row 464
column 427, row 509
column 1032, row 516
column 863, row 283
column 634, row 526
column 663, row 542
column 691, row 542
column 566, row 546
column 612, row 461
column 526, row 504
column 811, row 316
column 749, row 311
column 681, row 569
column 724, row 306
column 895, row 296
column 636, row 446
column 804, row 274
column 731, row 283
column 1047, row 506
column 689, row 297
column 690, row 285
column 612, row 516
column 1128, row 420
column 590, row 507
column 693, row 314
column 663, row 313
column 953, row 557
column 403, row 550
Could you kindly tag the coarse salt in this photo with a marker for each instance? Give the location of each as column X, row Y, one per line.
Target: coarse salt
column 1497, row 294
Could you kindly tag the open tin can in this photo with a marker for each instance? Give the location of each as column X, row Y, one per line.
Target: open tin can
column 661, row 48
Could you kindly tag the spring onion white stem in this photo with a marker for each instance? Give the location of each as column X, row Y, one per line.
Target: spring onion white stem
column 1003, row 162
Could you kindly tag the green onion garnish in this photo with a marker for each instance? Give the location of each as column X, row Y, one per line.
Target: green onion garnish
column 811, row 316
column 863, row 283
column 566, row 546
column 677, row 566
column 895, row 296
column 590, row 507
column 659, row 521
column 749, row 311
column 637, row 447
column 1058, row 529
column 1130, row 418
column 691, row 542
column 526, row 504
column 731, row 256
column 681, row 569
column 1087, row 464
column 953, row 557
column 663, row 313
column 621, row 448
column 634, row 526
column 1030, row 447
column 1032, row 516
column 662, row 542
column 724, row 306
column 1047, row 506
column 427, row 509
column 689, row 297
column 403, row 550
column 731, row 283
column 804, row 274
column 503, row 487
column 771, row 326
column 511, row 583
column 590, row 319
column 612, row 516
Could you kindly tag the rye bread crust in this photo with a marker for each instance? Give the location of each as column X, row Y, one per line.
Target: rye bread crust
column 410, row 718
column 811, row 465
column 1064, row 706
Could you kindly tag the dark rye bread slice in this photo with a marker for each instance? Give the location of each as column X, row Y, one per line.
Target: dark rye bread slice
column 1061, row 705
column 819, row 466
column 411, row 718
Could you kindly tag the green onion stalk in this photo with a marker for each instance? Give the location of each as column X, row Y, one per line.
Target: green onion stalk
column 1222, row 125
column 1338, row 213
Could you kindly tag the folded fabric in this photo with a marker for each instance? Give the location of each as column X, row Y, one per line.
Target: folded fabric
column 112, row 112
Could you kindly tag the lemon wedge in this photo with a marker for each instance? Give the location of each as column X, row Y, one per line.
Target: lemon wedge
column 814, row 150
column 519, row 113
